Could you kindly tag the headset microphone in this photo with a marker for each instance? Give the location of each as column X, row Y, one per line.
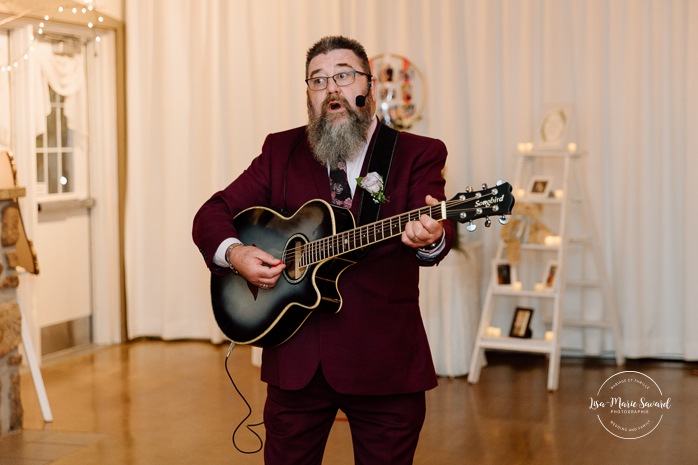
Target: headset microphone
column 361, row 99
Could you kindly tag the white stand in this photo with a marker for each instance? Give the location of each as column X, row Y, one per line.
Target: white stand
column 591, row 284
column 30, row 353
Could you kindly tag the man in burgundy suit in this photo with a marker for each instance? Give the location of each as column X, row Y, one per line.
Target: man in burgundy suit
column 371, row 360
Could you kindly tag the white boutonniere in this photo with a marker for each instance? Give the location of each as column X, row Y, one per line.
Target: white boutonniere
column 373, row 184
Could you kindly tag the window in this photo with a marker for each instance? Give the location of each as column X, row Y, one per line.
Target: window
column 55, row 163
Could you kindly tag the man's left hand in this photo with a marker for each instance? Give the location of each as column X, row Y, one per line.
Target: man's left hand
column 423, row 232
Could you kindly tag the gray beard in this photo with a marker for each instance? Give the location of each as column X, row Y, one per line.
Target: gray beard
column 332, row 143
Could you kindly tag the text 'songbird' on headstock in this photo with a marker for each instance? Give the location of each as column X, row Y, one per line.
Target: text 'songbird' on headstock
column 490, row 201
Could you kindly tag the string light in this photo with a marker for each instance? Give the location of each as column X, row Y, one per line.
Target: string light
column 26, row 55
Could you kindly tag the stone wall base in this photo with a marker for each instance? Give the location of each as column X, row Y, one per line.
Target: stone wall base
column 11, row 411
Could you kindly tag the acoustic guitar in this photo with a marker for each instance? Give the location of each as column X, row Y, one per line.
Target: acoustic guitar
column 317, row 243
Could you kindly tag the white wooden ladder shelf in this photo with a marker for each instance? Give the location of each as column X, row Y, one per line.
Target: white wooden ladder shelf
column 562, row 278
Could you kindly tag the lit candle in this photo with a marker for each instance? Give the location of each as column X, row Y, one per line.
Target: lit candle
column 559, row 193
column 493, row 331
column 516, row 285
column 552, row 241
column 539, row 287
column 571, row 147
column 549, row 335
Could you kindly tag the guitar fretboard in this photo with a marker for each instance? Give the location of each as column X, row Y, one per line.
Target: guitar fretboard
column 354, row 239
column 464, row 207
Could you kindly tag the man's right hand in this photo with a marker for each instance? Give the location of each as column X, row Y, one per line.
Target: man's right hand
column 256, row 266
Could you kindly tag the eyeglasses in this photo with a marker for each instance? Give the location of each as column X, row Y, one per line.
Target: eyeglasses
column 342, row 79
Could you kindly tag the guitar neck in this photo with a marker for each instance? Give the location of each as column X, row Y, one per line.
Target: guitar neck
column 363, row 236
column 464, row 207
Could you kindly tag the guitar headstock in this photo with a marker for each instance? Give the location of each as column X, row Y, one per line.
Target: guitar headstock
column 490, row 201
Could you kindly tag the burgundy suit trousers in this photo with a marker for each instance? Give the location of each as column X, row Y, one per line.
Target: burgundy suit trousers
column 384, row 428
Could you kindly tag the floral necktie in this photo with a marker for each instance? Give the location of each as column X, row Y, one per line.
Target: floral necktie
column 339, row 186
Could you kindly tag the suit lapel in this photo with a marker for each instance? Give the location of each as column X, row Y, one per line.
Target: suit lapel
column 316, row 173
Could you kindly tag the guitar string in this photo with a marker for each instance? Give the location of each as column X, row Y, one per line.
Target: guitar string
column 338, row 242
column 315, row 249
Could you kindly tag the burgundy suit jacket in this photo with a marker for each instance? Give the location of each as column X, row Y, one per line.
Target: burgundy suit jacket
column 376, row 344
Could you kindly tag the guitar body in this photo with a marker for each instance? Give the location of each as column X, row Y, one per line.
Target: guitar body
column 266, row 318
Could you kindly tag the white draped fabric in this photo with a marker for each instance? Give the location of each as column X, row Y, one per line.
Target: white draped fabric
column 106, row 283
column 4, row 90
column 208, row 80
column 66, row 75
column 26, row 92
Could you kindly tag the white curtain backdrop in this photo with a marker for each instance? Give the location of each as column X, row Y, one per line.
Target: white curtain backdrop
column 103, row 166
column 207, row 80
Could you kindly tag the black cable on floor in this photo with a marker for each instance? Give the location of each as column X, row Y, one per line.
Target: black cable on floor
column 249, row 411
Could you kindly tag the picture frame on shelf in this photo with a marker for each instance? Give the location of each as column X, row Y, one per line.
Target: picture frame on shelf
column 558, row 124
column 520, row 324
column 539, row 187
column 504, row 274
column 550, row 276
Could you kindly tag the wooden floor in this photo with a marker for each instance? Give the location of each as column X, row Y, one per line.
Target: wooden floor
column 153, row 402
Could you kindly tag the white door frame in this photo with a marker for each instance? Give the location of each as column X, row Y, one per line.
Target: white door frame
column 103, row 174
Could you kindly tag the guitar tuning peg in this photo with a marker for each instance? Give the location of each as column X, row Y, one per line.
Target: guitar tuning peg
column 484, row 185
column 499, row 182
column 471, row 226
column 488, row 222
column 469, row 189
column 503, row 219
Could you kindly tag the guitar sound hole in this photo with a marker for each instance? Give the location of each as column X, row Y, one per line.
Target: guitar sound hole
column 292, row 258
